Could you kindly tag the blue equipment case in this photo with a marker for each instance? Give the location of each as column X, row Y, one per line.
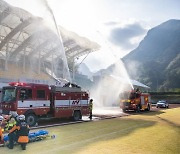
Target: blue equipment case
column 33, row 136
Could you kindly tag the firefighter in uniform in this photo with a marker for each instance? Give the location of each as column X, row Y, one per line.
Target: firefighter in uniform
column 16, row 117
column 1, row 129
column 90, row 108
column 12, row 135
column 23, row 131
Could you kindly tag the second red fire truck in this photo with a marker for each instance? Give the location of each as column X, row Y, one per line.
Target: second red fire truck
column 39, row 100
column 135, row 100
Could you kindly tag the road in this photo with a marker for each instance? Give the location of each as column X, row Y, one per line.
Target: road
column 170, row 107
column 98, row 114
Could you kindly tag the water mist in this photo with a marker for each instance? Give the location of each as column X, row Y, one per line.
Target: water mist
column 106, row 93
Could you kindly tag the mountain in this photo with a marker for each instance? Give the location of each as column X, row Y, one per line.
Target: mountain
column 83, row 69
column 156, row 61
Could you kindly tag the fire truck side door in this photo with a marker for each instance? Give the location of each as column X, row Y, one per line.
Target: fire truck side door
column 142, row 100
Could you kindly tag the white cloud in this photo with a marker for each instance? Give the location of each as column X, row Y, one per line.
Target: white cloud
column 128, row 36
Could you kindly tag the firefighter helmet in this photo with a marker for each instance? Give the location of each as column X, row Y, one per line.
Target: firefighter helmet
column 22, row 117
column 91, row 100
column 1, row 118
column 14, row 114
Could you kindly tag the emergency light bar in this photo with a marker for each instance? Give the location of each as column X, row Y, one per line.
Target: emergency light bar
column 17, row 84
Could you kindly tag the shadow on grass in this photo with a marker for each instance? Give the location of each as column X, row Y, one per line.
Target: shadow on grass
column 74, row 138
column 169, row 122
column 104, row 130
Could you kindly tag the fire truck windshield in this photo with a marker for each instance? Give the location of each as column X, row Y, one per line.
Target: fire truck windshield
column 8, row 94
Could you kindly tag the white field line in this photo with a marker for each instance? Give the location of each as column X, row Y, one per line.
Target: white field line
column 93, row 138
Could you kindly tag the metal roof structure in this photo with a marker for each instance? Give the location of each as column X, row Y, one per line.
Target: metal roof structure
column 24, row 37
column 75, row 45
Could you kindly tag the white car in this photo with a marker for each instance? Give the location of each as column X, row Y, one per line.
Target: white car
column 163, row 104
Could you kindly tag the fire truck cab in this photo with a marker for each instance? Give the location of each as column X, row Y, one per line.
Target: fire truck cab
column 38, row 100
column 135, row 101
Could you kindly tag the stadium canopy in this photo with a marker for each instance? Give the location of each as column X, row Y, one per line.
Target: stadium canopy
column 24, row 37
column 75, row 45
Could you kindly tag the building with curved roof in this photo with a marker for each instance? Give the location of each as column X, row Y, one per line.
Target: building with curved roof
column 31, row 49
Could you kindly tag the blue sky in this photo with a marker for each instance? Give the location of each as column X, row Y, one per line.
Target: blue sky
column 117, row 25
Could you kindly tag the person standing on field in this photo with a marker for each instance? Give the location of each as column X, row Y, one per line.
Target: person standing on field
column 90, row 108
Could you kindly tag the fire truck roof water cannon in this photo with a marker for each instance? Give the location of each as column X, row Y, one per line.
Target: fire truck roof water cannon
column 40, row 101
column 135, row 100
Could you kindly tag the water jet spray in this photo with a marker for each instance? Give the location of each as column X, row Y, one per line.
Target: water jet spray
column 67, row 75
column 107, row 91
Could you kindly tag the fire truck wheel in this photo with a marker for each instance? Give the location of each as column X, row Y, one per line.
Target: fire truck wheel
column 138, row 108
column 31, row 119
column 77, row 115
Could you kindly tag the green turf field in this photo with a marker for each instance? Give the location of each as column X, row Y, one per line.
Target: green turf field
column 153, row 132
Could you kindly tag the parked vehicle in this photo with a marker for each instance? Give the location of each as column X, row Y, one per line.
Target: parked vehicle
column 40, row 100
column 162, row 104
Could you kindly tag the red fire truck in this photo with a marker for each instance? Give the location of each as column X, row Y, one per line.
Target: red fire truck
column 135, row 101
column 39, row 100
